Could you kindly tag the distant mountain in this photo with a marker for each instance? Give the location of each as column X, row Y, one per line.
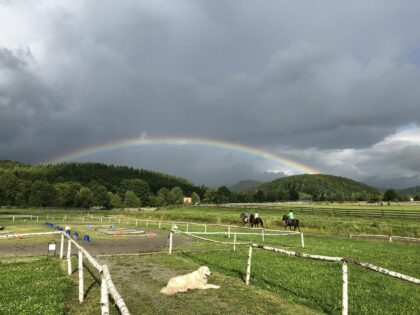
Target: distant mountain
column 410, row 191
column 317, row 187
column 244, row 185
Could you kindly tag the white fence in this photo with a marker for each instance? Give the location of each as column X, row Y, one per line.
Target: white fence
column 160, row 223
column 344, row 261
column 107, row 286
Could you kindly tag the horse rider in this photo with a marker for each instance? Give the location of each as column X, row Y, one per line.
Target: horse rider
column 290, row 216
column 256, row 215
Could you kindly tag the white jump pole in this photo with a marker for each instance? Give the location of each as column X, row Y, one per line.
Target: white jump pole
column 160, row 224
column 390, row 239
column 262, row 234
column 248, row 268
column 81, row 289
column 37, row 219
column 147, row 223
column 69, row 257
column 302, row 240
column 228, row 231
column 137, row 222
column 62, row 246
column 205, row 228
column 104, row 297
column 345, row 309
column 13, row 218
column 234, row 242
column 186, row 229
column 170, row 242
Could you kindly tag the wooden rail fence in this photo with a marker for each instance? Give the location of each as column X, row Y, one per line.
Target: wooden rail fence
column 107, row 286
column 374, row 213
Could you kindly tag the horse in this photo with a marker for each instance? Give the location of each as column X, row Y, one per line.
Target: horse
column 255, row 221
column 290, row 223
column 244, row 218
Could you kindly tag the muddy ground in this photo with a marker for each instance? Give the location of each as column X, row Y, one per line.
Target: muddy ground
column 38, row 246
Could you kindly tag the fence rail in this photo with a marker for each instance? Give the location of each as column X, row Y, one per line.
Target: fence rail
column 107, row 286
column 373, row 213
column 344, row 261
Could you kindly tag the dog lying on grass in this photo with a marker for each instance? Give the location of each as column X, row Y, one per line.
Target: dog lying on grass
column 193, row 280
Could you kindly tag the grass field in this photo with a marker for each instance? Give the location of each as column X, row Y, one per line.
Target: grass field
column 279, row 284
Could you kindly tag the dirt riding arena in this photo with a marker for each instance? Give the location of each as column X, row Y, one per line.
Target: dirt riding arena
column 151, row 241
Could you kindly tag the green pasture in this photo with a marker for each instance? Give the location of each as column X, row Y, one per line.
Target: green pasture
column 327, row 224
column 279, row 284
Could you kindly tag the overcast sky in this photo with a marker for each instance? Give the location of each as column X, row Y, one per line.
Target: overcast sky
column 334, row 85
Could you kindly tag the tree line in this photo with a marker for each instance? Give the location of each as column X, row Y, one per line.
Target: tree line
column 86, row 185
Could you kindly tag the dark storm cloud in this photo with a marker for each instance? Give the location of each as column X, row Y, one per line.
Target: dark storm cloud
column 276, row 75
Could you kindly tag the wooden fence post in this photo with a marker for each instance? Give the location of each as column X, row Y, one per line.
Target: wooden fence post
column 170, row 242
column 81, row 289
column 147, row 223
column 13, row 218
column 301, row 240
column 248, row 267
column 69, row 257
column 205, row 228
column 345, row 309
column 104, row 297
column 137, row 222
column 62, row 246
column 186, row 229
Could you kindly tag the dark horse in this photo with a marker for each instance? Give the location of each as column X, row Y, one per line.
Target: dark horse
column 255, row 221
column 245, row 218
column 290, row 223
column 251, row 220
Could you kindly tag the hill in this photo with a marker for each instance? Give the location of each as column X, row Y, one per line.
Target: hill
column 109, row 176
column 244, row 185
column 85, row 185
column 317, row 187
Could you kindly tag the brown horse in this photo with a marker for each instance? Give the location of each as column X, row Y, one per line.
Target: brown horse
column 290, row 223
column 255, row 221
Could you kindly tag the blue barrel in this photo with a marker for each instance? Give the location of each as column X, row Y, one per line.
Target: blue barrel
column 68, row 232
column 75, row 235
column 86, row 238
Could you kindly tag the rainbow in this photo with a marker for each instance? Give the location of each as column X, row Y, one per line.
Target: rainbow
column 154, row 141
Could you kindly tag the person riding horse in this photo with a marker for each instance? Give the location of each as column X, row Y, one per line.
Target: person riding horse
column 289, row 220
column 245, row 217
column 255, row 220
column 290, row 216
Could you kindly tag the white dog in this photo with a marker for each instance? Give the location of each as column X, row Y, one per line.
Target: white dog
column 193, row 280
